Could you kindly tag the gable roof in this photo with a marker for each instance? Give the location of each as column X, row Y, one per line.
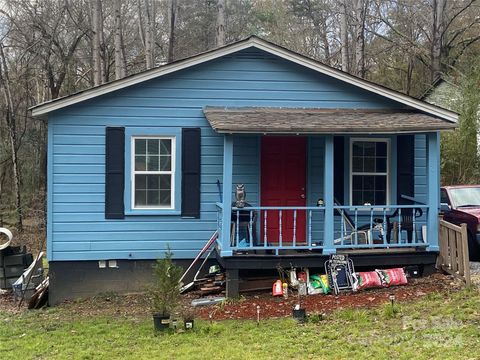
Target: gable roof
column 250, row 42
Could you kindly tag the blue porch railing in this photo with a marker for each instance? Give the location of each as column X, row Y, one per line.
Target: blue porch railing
column 280, row 228
column 383, row 226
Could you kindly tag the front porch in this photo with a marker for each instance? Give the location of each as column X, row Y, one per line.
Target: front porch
column 395, row 209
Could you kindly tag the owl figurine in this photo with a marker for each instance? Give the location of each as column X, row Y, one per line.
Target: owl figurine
column 240, row 196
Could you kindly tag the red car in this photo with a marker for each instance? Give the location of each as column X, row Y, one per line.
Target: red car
column 461, row 204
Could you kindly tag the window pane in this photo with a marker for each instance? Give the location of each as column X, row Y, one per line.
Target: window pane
column 369, row 164
column 357, row 182
column 153, row 182
column 152, row 146
column 165, row 198
column 381, row 182
column 140, row 198
column 380, row 198
column 357, row 164
column 369, row 197
column 357, row 148
column 166, row 147
column 165, row 163
column 140, row 146
column 140, row 182
column 140, row 163
column 369, row 182
column 369, row 148
column 381, row 164
column 165, row 182
column 153, row 162
column 381, row 148
column 153, row 197
column 357, row 198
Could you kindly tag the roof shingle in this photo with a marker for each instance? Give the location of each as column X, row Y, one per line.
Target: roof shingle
column 320, row 121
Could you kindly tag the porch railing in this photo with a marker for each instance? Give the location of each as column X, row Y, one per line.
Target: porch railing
column 281, row 228
column 383, row 226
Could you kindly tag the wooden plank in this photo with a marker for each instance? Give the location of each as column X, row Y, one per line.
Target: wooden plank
column 466, row 258
column 450, row 225
column 460, row 252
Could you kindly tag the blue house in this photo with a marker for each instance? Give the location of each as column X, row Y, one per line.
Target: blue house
column 330, row 163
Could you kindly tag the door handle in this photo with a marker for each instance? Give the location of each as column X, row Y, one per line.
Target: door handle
column 302, row 196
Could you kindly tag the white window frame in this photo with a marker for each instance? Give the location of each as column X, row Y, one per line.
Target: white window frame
column 134, row 172
column 387, row 173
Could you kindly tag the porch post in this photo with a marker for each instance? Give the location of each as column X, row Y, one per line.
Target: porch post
column 433, row 184
column 328, row 246
column 227, row 194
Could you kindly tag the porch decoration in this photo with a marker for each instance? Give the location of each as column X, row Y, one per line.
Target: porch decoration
column 164, row 294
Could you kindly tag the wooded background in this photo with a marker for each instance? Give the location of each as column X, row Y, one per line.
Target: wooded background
column 52, row 48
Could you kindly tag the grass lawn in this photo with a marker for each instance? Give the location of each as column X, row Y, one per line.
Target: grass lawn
column 440, row 326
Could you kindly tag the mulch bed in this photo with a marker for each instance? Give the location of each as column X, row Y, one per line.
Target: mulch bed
column 136, row 305
column 271, row 307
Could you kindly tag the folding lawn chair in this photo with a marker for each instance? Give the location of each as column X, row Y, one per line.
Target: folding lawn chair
column 340, row 269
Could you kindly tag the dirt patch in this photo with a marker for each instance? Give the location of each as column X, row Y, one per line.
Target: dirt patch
column 136, row 305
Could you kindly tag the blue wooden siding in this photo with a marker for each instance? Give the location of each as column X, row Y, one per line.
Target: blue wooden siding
column 77, row 228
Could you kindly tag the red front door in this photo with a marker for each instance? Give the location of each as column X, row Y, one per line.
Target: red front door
column 283, row 183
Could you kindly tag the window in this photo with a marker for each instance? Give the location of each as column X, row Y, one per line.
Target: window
column 369, row 172
column 444, row 197
column 153, row 172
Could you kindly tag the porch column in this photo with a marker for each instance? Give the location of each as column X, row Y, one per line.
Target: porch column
column 328, row 247
column 433, row 184
column 227, row 194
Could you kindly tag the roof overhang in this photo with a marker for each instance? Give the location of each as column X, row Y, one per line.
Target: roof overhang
column 251, row 42
column 321, row 121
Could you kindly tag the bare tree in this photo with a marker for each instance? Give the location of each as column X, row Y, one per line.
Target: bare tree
column 12, row 134
column 359, row 14
column 171, row 29
column 120, row 64
column 344, row 35
column 438, row 30
column 220, row 29
column 99, row 76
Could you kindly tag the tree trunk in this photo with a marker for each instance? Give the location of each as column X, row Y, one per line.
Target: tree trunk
column 344, row 35
column 149, row 58
column 171, row 30
column 326, row 44
column 120, row 68
column 437, row 37
column 97, row 29
column 12, row 137
column 220, row 33
column 360, row 9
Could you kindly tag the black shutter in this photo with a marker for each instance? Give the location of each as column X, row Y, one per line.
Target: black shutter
column 191, row 172
column 405, row 168
column 338, row 168
column 114, row 172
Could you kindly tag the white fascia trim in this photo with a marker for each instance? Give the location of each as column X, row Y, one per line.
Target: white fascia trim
column 259, row 44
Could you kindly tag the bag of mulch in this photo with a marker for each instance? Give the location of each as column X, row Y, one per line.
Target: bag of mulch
column 391, row 277
column 314, row 286
column 366, row 280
